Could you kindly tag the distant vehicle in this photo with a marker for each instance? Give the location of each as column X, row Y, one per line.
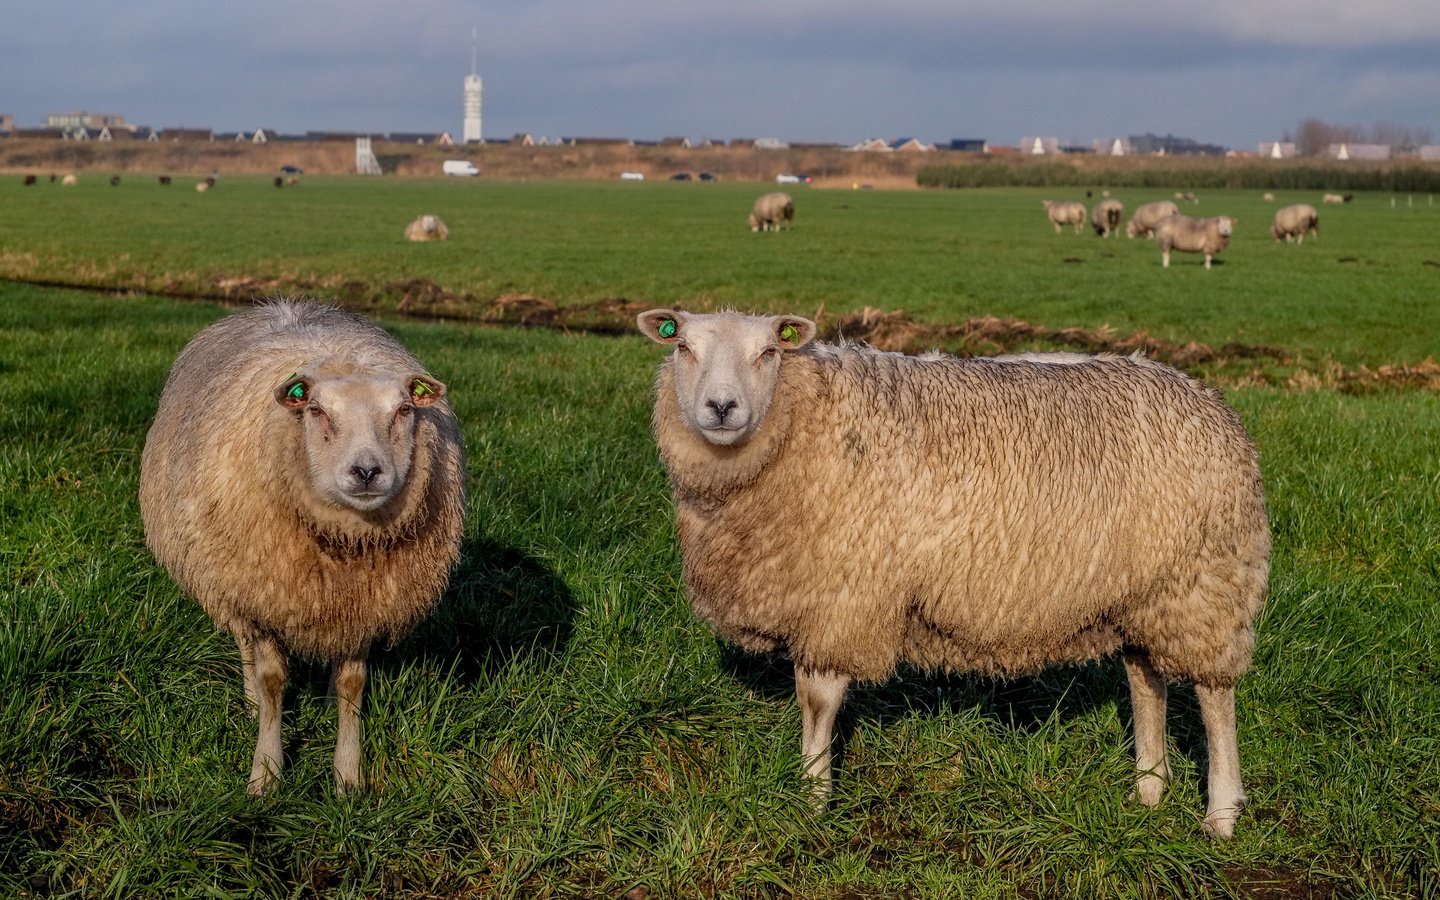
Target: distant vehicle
column 680, row 176
column 706, row 176
column 632, row 176
column 788, row 178
column 292, row 170
column 459, row 167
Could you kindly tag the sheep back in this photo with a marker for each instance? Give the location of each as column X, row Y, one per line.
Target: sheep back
column 223, row 489
column 1143, row 221
column 976, row 515
column 1296, row 219
column 1191, row 235
column 772, row 210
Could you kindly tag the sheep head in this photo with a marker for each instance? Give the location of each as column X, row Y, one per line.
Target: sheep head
column 358, row 431
column 725, row 367
column 1225, row 225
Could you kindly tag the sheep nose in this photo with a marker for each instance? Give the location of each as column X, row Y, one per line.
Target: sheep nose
column 364, row 474
column 722, row 408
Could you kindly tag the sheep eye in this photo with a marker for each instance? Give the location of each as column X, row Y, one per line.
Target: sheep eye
column 316, row 411
column 768, row 352
column 682, row 347
column 405, row 410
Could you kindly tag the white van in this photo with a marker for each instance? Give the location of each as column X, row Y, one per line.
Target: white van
column 459, row 167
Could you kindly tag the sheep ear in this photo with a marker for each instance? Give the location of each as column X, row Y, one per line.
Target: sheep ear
column 792, row 332
column 293, row 392
column 426, row 390
column 661, row 325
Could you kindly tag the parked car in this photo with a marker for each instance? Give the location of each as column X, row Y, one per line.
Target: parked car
column 459, row 167
column 789, row 178
column 707, row 176
column 680, row 176
column 632, row 176
column 291, row 170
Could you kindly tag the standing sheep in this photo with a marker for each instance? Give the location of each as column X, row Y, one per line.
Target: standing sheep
column 772, row 212
column 1294, row 222
column 861, row 509
column 1065, row 212
column 1105, row 217
column 1190, row 235
column 427, row 228
column 1142, row 223
column 304, row 481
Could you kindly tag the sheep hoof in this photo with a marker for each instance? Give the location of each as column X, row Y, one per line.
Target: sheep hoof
column 1220, row 823
column 1149, row 790
column 261, row 784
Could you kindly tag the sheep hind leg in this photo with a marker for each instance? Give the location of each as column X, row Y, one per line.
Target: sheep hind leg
column 1227, row 797
column 820, row 695
column 1147, row 700
column 247, row 672
column 349, row 685
column 271, row 672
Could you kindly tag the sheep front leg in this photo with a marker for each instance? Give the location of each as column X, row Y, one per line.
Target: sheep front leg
column 270, row 672
column 820, row 695
column 1165, row 258
column 1227, row 798
column 1208, row 257
column 349, row 679
column 1147, row 698
column 247, row 672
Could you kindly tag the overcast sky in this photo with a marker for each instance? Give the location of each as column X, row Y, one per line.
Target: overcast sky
column 1233, row 72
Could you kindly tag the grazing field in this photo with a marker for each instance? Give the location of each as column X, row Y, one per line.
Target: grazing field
column 563, row 725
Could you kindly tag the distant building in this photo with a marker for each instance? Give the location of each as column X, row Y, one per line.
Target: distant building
column 1429, row 153
column 769, row 144
column 84, row 120
column 598, row 142
column 969, row 145
column 910, row 145
column 1368, row 152
column 470, row 130
column 681, row 142
column 1112, row 147
column 7, row 123
column 262, row 135
column 1040, row 146
column 186, row 134
column 872, row 145
column 1277, row 150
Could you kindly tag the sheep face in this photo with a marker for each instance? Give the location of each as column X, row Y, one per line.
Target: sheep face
column 725, row 367
column 358, row 432
column 1225, row 226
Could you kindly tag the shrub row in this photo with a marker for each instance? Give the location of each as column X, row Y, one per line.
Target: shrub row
column 1402, row 176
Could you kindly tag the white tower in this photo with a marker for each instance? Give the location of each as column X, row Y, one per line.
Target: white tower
column 471, row 132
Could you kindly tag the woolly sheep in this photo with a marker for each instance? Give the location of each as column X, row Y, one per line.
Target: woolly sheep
column 1337, row 198
column 772, row 212
column 69, row 181
column 1294, row 222
column 861, row 509
column 1268, row 197
column 1142, row 223
column 1106, row 216
column 427, row 228
column 202, row 186
column 1065, row 212
column 304, row 481
column 1191, row 235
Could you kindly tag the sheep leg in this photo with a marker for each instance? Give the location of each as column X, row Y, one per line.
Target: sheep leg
column 1227, row 798
column 820, row 695
column 1147, row 699
column 1207, row 260
column 271, row 670
column 1165, row 258
column 349, row 680
column 247, row 671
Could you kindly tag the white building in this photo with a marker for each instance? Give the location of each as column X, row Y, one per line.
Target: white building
column 471, row 133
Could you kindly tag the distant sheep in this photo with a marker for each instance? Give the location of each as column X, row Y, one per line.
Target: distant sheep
column 1142, row 223
column 1105, row 218
column 427, row 228
column 202, row 186
column 1190, row 235
column 114, row 180
column 1268, row 198
column 304, row 481
column 69, row 181
column 860, row 509
column 1065, row 212
column 1294, row 222
column 292, row 181
column 165, row 180
column 772, row 212
column 30, row 180
column 279, row 181
column 1337, row 198
column 1190, row 195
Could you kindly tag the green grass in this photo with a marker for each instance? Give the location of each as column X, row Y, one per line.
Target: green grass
column 1363, row 294
column 563, row 725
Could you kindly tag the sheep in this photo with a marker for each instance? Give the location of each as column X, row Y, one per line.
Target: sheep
column 1191, row 235
column 772, row 212
column 202, row 186
column 164, row 180
column 1268, row 197
column 1334, row 198
column 1295, row 221
column 1190, row 195
column 859, row 509
column 292, row 181
column 427, row 228
column 279, row 181
column 1105, row 217
column 114, row 180
column 1143, row 221
column 304, row 481
column 30, row 180
column 69, row 181
column 1065, row 212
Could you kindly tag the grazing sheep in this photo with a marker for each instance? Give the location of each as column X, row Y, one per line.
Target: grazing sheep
column 1142, row 223
column 30, row 180
column 1191, row 235
column 772, row 212
column 427, row 228
column 69, row 181
column 165, row 180
column 202, row 186
column 1190, row 195
column 292, row 181
column 860, row 509
column 1065, row 212
column 1106, row 216
column 1336, row 198
column 1268, row 198
column 114, row 180
column 1294, row 222
column 279, row 181
column 304, row 481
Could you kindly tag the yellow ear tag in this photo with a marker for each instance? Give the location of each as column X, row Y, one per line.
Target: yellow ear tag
column 789, row 333
column 420, row 389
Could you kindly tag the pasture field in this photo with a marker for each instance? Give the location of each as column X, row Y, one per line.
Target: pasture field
column 563, row 725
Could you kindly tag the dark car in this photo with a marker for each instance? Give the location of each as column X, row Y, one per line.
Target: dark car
column 680, row 176
column 292, row 170
column 706, row 176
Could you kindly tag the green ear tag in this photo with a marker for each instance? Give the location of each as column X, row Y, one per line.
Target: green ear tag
column 666, row 329
column 789, row 333
column 297, row 391
column 420, row 389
